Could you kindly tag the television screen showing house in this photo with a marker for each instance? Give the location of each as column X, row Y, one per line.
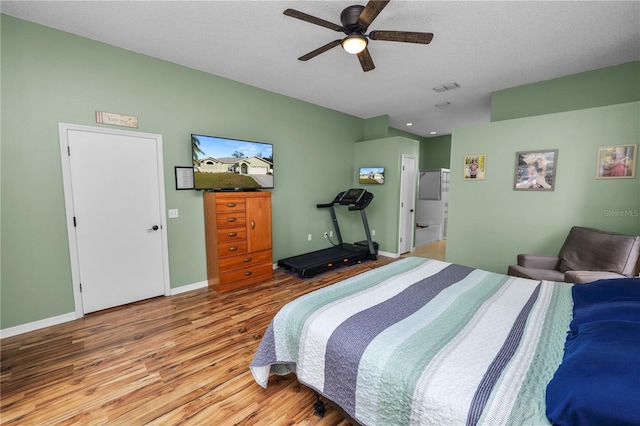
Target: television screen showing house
column 373, row 175
column 221, row 163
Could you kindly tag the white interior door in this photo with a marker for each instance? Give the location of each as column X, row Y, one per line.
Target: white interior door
column 407, row 203
column 116, row 215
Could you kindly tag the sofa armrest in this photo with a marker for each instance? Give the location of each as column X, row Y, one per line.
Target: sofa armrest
column 580, row 277
column 539, row 261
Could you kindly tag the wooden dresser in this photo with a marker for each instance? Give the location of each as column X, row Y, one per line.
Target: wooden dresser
column 238, row 239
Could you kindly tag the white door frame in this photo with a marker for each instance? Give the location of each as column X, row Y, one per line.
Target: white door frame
column 64, row 129
column 412, row 200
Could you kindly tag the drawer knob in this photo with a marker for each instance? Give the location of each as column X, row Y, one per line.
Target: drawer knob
column 248, row 259
column 231, row 204
column 233, row 248
column 231, row 219
column 248, row 273
column 233, row 234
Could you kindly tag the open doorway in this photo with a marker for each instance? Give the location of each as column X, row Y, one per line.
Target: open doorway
column 435, row 250
column 432, row 213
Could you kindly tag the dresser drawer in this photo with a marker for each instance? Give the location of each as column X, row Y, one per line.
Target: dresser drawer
column 231, row 220
column 246, row 260
column 228, row 205
column 232, row 248
column 231, row 234
column 246, row 276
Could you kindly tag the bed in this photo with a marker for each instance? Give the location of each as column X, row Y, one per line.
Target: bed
column 421, row 341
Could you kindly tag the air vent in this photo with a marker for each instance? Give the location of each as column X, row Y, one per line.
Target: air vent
column 446, row 87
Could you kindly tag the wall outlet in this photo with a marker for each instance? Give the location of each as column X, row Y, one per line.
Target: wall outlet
column 309, row 237
column 331, row 233
column 373, row 232
column 173, row 213
column 326, row 235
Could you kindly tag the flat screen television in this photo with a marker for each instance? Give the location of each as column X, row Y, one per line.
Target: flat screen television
column 221, row 164
column 373, row 175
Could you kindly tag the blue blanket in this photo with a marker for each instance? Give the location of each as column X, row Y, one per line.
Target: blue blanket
column 598, row 381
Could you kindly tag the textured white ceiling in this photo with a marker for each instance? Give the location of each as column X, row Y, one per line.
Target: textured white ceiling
column 483, row 46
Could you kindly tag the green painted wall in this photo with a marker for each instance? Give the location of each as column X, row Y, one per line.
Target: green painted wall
column 376, row 127
column 435, row 153
column 393, row 132
column 490, row 223
column 49, row 76
column 607, row 86
column 384, row 211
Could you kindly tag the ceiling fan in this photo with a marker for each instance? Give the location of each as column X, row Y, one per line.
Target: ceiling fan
column 355, row 21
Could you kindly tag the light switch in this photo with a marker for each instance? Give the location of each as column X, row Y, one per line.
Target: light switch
column 173, row 213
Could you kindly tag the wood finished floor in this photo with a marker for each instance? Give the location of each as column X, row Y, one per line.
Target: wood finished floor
column 435, row 250
column 170, row 360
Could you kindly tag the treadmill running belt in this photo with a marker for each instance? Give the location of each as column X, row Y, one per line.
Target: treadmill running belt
column 309, row 264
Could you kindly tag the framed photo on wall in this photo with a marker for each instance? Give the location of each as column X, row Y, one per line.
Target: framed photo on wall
column 184, row 178
column 535, row 170
column 371, row 175
column 617, row 162
column 475, row 167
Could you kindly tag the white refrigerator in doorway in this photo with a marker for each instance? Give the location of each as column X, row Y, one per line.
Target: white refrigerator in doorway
column 432, row 206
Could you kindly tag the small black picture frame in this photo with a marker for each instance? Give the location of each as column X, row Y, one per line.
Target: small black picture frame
column 184, row 178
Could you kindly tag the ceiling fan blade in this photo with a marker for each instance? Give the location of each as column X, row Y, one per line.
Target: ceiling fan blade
column 320, row 50
column 312, row 19
column 402, row 36
column 365, row 60
column 371, row 10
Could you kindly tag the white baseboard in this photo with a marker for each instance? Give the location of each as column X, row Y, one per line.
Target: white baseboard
column 47, row 322
column 189, row 287
column 387, row 254
column 36, row 325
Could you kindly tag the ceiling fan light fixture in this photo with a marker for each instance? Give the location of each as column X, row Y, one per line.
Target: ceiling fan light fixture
column 354, row 43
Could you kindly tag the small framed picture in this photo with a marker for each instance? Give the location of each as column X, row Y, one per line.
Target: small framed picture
column 475, row 167
column 184, row 178
column 535, row 170
column 373, row 175
column 617, row 162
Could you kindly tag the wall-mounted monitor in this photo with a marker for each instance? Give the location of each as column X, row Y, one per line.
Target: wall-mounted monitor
column 231, row 164
column 371, row 175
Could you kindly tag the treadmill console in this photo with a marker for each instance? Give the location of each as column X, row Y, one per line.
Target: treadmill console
column 356, row 199
column 351, row 196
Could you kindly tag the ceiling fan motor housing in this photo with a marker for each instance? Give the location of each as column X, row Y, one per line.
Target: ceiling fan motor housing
column 349, row 18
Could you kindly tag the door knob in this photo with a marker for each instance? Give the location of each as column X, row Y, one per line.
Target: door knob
column 154, row 228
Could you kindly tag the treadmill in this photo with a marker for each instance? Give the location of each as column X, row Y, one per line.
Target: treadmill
column 342, row 254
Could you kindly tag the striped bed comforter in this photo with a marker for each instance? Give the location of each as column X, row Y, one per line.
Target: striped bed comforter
column 421, row 341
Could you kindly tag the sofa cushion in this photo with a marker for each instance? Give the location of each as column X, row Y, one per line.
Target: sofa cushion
column 587, row 249
column 535, row 273
column 581, row 277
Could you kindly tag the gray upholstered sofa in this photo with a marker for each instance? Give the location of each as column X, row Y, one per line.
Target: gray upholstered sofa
column 587, row 255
